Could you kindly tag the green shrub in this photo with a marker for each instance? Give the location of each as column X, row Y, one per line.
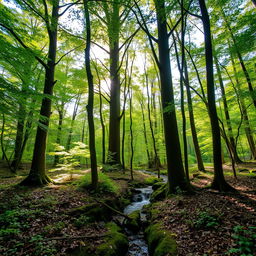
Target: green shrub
column 245, row 241
column 206, row 220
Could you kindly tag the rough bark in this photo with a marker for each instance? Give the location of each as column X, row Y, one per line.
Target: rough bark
column 176, row 175
column 37, row 175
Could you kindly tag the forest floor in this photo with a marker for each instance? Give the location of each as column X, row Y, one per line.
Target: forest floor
column 47, row 221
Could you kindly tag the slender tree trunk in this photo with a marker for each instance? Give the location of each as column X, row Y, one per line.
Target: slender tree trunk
column 131, row 135
column 37, row 175
column 102, row 129
column 219, row 182
column 156, row 161
column 59, row 131
column 19, row 138
column 232, row 145
column 93, row 157
column 73, row 121
column 248, row 131
column 145, row 130
column 176, row 175
column 200, row 163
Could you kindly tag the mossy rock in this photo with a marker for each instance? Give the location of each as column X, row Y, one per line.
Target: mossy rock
column 94, row 211
column 159, row 193
column 157, row 185
column 160, row 242
column 134, row 223
column 116, row 243
column 152, row 180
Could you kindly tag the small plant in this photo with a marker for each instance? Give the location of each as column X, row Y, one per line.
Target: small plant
column 245, row 241
column 54, row 228
column 81, row 221
column 206, row 220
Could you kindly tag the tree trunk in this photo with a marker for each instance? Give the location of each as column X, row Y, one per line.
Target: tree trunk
column 156, row 159
column 200, row 163
column 72, row 122
column 248, row 131
column 37, row 175
column 232, row 146
column 145, row 131
column 93, row 157
column 219, row 182
column 176, row 175
column 131, row 134
column 19, row 138
column 103, row 129
column 59, row 131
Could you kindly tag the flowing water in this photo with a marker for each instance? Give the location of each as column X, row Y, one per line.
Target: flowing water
column 137, row 243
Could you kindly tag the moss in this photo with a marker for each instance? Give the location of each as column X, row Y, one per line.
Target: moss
column 94, row 212
column 152, row 180
column 116, row 243
column 159, row 193
column 134, row 223
column 157, row 185
column 160, row 242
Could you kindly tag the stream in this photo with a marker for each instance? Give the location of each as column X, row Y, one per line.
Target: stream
column 137, row 243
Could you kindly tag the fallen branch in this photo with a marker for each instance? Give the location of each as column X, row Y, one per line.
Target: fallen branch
column 74, row 237
column 112, row 209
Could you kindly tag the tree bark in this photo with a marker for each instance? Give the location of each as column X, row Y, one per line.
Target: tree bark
column 200, row 163
column 176, row 175
column 114, row 118
column 219, row 182
column 37, row 175
column 93, row 157
column 59, row 131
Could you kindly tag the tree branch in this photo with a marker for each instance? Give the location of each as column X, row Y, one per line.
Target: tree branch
column 23, row 44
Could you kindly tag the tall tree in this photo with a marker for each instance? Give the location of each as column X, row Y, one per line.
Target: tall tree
column 93, row 157
column 219, row 182
column 176, row 175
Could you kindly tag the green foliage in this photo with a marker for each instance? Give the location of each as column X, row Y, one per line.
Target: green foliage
column 69, row 160
column 41, row 247
column 245, row 238
column 105, row 185
column 81, row 221
column 54, row 228
column 206, row 220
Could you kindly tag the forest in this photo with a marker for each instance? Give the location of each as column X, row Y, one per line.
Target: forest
column 128, row 127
